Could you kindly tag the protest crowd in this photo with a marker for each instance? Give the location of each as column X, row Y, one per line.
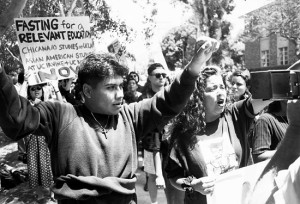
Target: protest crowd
column 82, row 127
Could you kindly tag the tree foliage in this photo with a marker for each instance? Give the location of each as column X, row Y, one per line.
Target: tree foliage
column 178, row 46
column 281, row 17
column 97, row 10
column 209, row 21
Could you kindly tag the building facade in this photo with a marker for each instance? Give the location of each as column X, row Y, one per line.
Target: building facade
column 269, row 53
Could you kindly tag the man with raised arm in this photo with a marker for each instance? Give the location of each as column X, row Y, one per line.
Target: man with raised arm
column 93, row 146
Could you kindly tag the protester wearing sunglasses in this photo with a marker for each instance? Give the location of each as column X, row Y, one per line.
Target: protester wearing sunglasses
column 36, row 154
column 151, row 142
column 157, row 76
column 35, row 92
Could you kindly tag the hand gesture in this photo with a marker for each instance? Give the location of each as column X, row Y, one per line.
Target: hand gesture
column 160, row 182
column 205, row 47
column 204, row 185
column 26, row 76
column 66, row 84
column 54, row 84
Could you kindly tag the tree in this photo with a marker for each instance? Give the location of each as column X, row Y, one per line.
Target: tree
column 209, row 21
column 98, row 11
column 280, row 17
column 14, row 8
column 210, row 18
column 178, row 46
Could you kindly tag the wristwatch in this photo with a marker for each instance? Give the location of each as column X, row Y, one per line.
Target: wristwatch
column 186, row 185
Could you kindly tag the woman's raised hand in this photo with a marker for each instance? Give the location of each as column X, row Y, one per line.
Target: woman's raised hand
column 205, row 46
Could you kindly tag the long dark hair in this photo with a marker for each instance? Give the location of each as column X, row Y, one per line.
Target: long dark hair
column 191, row 121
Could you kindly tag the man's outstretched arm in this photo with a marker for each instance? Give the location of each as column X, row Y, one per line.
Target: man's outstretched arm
column 17, row 117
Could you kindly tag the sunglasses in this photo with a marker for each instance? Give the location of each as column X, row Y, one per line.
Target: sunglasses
column 158, row 75
column 35, row 88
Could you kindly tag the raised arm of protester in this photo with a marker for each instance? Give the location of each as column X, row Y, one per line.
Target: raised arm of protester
column 56, row 90
column 93, row 145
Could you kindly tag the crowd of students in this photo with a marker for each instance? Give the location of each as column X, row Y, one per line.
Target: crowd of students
column 192, row 128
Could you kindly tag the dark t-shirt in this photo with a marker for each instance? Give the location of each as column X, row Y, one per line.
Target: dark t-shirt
column 152, row 141
column 268, row 132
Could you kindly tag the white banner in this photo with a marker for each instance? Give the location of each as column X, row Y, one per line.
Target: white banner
column 52, row 47
column 235, row 186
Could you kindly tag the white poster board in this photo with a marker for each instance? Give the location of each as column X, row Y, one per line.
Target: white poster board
column 52, row 47
column 233, row 187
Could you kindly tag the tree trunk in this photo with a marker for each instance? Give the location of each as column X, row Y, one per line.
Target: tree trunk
column 7, row 17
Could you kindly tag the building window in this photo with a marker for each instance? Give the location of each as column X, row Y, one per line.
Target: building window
column 283, row 56
column 265, row 58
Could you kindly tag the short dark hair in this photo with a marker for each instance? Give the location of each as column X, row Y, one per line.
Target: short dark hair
column 153, row 67
column 274, row 107
column 97, row 67
column 244, row 73
column 129, row 76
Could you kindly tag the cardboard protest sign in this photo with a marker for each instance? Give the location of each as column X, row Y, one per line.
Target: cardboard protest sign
column 119, row 50
column 52, row 47
column 114, row 46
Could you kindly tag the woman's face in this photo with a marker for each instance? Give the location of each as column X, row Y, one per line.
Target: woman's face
column 238, row 86
column 214, row 97
column 132, row 86
column 36, row 92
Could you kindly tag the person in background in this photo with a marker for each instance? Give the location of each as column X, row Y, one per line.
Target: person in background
column 209, row 137
column 268, row 131
column 131, row 95
column 36, row 93
column 240, row 82
column 135, row 76
column 93, row 145
column 152, row 141
column 36, row 153
column 66, row 90
column 13, row 74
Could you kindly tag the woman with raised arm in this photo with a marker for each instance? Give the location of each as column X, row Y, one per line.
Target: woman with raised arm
column 209, row 136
